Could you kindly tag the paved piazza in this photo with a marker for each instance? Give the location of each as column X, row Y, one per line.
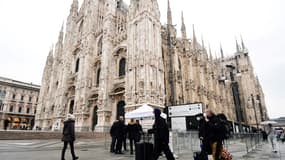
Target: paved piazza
column 98, row 150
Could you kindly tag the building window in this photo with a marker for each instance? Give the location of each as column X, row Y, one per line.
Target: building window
column 11, row 109
column 52, row 108
column 30, row 99
column 22, row 98
column 20, row 109
column 122, row 67
column 98, row 77
column 28, row 110
column 14, row 96
column 1, row 105
column 35, row 111
column 77, row 65
column 100, row 46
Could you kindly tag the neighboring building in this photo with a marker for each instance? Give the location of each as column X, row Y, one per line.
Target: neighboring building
column 280, row 122
column 18, row 103
column 112, row 58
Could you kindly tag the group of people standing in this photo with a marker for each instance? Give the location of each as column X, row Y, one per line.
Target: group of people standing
column 133, row 132
column 121, row 132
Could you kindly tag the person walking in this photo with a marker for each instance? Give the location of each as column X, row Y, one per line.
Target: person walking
column 212, row 135
column 271, row 132
column 133, row 132
column 6, row 124
column 69, row 136
column 282, row 137
column 161, row 137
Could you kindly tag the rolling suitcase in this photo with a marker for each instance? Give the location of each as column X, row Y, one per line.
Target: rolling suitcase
column 144, row 151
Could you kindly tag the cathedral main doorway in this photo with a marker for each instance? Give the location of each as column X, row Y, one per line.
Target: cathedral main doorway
column 95, row 118
column 121, row 109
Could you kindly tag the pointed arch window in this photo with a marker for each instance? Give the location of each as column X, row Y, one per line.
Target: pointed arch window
column 100, row 45
column 122, row 67
column 98, row 77
column 77, row 65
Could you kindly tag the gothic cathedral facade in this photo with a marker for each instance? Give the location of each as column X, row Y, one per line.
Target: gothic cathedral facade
column 112, row 58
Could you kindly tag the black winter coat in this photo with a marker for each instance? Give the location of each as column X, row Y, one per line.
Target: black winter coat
column 212, row 129
column 133, row 131
column 160, row 131
column 118, row 129
column 68, row 131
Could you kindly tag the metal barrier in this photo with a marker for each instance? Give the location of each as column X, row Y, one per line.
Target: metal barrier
column 186, row 143
column 189, row 142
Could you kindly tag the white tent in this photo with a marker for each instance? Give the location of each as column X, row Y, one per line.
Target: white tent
column 145, row 111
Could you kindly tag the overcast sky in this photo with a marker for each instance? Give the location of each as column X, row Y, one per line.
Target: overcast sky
column 29, row 27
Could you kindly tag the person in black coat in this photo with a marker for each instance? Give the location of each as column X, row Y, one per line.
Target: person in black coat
column 6, row 124
column 117, row 133
column 161, row 137
column 69, row 136
column 212, row 134
column 205, row 145
column 140, row 130
column 133, row 132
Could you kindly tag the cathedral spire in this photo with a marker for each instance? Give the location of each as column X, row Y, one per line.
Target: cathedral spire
column 183, row 27
column 203, row 44
column 169, row 14
column 194, row 37
column 210, row 52
column 61, row 33
column 74, row 8
column 242, row 43
column 222, row 51
column 237, row 46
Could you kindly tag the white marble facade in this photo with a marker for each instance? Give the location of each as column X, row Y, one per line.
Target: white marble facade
column 111, row 58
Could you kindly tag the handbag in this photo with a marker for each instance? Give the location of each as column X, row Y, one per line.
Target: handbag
column 226, row 155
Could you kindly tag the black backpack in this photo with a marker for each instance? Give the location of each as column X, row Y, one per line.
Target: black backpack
column 225, row 127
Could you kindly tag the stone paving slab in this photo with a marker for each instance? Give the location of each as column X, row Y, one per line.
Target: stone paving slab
column 97, row 150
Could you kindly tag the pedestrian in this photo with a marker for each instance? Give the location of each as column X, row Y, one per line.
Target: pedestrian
column 133, row 132
column 125, row 131
column 113, row 133
column 161, row 137
column 271, row 132
column 212, row 136
column 205, row 144
column 283, row 136
column 117, row 133
column 140, row 130
column 69, row 136
column 6, row 124
column 264, row 135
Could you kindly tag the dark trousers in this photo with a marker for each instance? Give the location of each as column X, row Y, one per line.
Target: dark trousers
column 125, row 143
column 119, row 145
column 132, row 144
column 159, row 147
column 113, row 144
column 71, row 144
